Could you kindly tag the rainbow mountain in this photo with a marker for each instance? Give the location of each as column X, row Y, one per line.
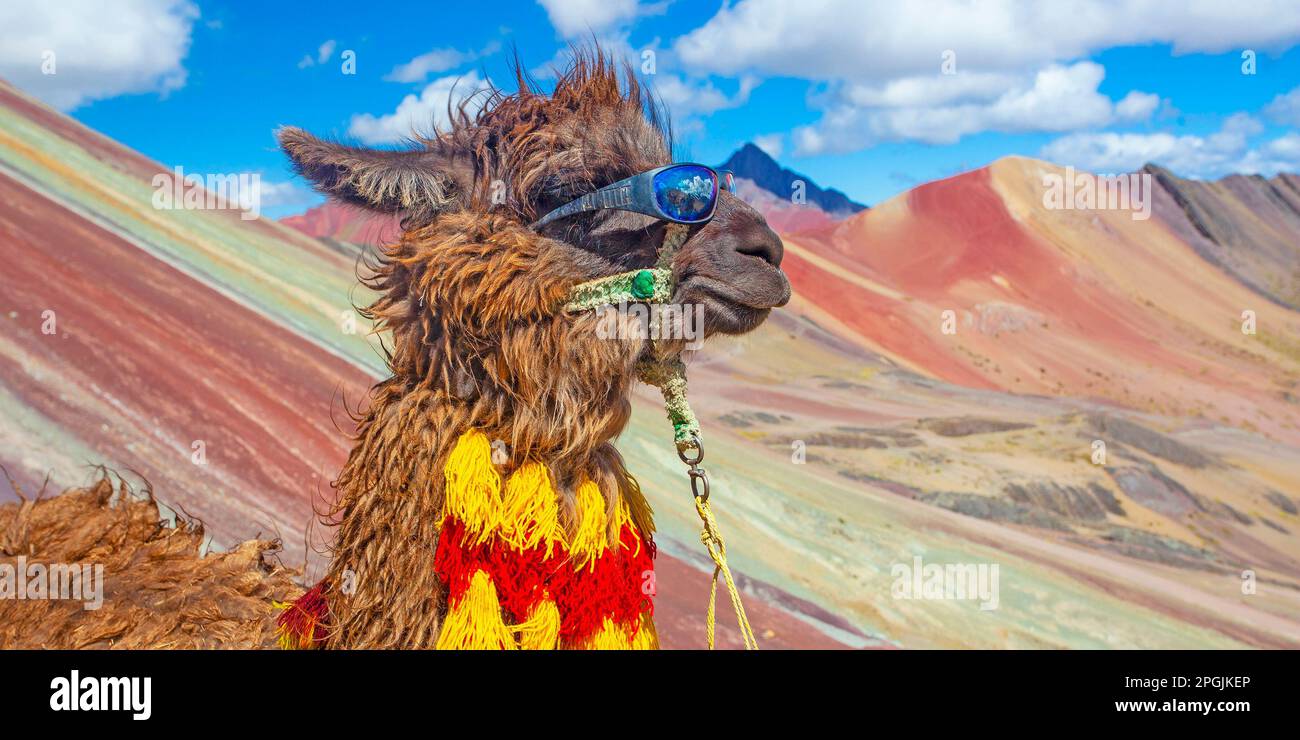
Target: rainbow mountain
column 965, row 376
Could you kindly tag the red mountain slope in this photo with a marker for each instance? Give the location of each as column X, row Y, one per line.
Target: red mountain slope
column 342, row 223
column 1064, row 302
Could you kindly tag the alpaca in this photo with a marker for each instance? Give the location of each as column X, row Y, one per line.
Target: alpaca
column 484, row 504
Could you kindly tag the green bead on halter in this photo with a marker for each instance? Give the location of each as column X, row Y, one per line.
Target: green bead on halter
column 643, row 285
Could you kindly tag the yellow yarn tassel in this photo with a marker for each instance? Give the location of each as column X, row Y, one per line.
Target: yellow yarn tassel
column 646, row 638
column 542, row 630
column 591, row 537
column 473, row 491
column 614, row 636
column 475, row 622
column 531, row 513
column 610, row 636
column 623, row 518
column 638, row 509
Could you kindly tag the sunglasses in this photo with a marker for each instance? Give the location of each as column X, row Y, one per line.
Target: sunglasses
column 683, row 193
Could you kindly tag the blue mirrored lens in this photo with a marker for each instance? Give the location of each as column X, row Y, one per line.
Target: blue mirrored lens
column 728, row 182
column 686, row 193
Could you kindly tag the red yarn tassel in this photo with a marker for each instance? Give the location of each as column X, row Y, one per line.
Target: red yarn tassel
column 304, row 623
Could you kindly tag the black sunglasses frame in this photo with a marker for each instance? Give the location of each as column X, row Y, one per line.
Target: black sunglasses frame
column 636, row 194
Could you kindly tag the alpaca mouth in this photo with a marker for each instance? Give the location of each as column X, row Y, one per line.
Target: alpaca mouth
column 734, row 309
column 760, row 287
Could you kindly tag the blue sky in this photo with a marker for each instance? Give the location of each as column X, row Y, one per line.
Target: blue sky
column 868, row 97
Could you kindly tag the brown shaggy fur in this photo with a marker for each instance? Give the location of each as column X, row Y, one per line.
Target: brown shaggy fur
column 157, row 591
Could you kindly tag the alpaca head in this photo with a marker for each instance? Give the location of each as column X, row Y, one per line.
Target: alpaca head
column 473, row 292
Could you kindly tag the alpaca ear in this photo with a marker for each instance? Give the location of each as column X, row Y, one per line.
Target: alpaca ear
column 420, row 182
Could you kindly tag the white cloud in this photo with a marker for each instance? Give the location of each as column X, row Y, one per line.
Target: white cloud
column 1137, row 106
column 1017, row 65
column 435, row 61
column 326, row 51
column 419, row 68
column 1285, row 108
column 1286, row 147
column 929, row 89
column 941, row 109
column 1225, row 151
column 323, row 55
column 419, row 113
column 608, row 22
column 1279, row 155
column 573, row 18
column 883, row 39
column 687, row 98
column 273, row 194
column 773, row 144
column 100, row 49
column 1120, row 152
column 1062, row 98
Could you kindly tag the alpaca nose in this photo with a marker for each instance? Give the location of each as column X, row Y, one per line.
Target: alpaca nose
column 760, row 241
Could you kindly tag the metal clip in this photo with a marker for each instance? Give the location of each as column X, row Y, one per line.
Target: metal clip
column 699, row 479
column 698, row 476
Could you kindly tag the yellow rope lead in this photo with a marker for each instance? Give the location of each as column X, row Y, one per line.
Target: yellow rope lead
column 712, row 540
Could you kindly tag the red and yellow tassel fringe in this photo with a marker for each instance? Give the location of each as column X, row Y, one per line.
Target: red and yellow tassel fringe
column 515, row 579
column 302, row 623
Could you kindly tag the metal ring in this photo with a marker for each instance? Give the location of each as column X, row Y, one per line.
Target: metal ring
column 697, row 475
column 695, row 443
